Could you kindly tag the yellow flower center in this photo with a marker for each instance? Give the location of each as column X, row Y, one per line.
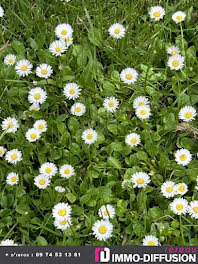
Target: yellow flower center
column 42, row 182
column 44, row 71
column 63, row 222
column 195, row 209
column 106, row 212
column 175, row 63
column 13, row 179
column 111, row 104
column 89, row 136
column 64, row 32
column 102, row 229
column 24, row 68
column 143, row 112
column 141, row 103
column 67, row 40
column 179, row 17
column 169, row 189
column 10, row 60
column 117, row 31
column 188, row 114
column 48, row 170
column 78, row 109
column 1, row 152
column 133, row 140
column 156, row 14
column 140, row 181
column 66, row 171
column 183, row 157
column 179, row 207
column 62, row 212
column 37, row 96
column 72, row 91
column 129, row 76
column 181, row 188
column 14, row 156
column 10, row 125
column 58, row 48
column 173, row 52
column 151, row 243
column 33, row 136
column 41, row 126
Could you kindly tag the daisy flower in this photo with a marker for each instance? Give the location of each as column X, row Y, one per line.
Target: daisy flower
column 66, row 171
column 117, row 31
column 34, row 107
column 178, row 17
column 1, row 12
column 57, row 47
column 13, row 156
column 12, row 178
column 111, row 104
column 23, row 68
column 126, row 183
column 143, row 112
column 140, row 179
column 157, row 13
column 181, row 188
column 193, row 209
column 59, row 189
column 9, row 59
column 129, row 75
column 150, row 241
column 132, row 139
column 168, row 189
column 102, row 230
column 62, row 224
column 89, row 136
column 8, row 242
column 61, row 211
column 106, row 211
column 176, row 62
column 10, row 124
column 173, row 50
column 78, row 109
column 40, row 125
column 67, row 41
column 32, row 134
column 2, row 151
column 37, row 95
column 72, row 91
column 183, row 156
column 63, row 31
column 44, row 71
column 42, row 181
column 187, row 113
column 48, row 169
column 179, row 206
column 140, row 101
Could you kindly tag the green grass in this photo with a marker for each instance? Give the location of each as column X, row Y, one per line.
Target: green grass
column 94, row 61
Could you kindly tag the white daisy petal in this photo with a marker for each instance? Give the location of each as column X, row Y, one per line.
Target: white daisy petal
column 34, row 107
column 32, row 134
column 173, row 50
column 89, row 136
column 42, row 181
column 187, row 113
column 13, row 156
column 10, row 59
column 176, row 62
column 183, row 156
column 140, row 101
column 178, row 17
column 140, row 179
column 48, row 169
column 78, row 109
column 10, row 124
column 59, row 189
column 2, row 151
column 133, row 139
column 156, row 13
column 1, row 11
column 193, row 209
column 143, row 112
column 67, row 41
column 23, row 68
column 129, row 75
column 181, row 188
column 57, row 47
column 72, row 91
column 111, row 104
column 168, row 189
column 179, row 206
column 150, row 241
column 62, row 224
column 12, row 178
column 44, row 71
column 37, row 95
column 40, row 125
column 66, row 171
column 61, row 211
column 63, row 31
column 102, row 230
column 8, row 242
column 106, row 211
column 117, row 31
